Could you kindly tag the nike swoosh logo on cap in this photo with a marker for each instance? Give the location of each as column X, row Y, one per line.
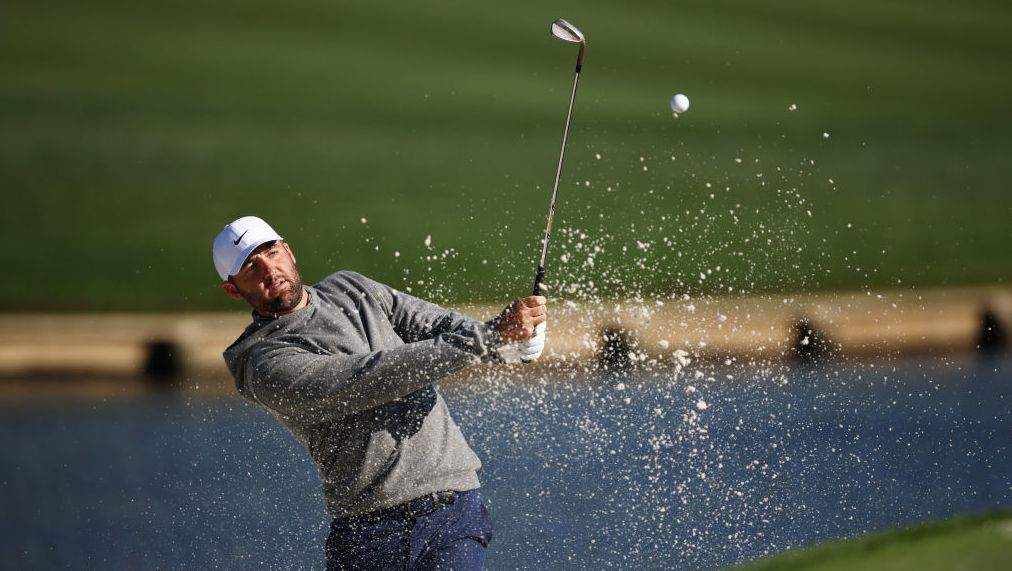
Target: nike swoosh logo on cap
column 236, row 242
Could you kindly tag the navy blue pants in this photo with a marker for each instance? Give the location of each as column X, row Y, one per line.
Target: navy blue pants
column 448, row 533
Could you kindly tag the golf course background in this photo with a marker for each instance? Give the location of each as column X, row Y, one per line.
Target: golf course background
column 829, row 146
column 979, row 542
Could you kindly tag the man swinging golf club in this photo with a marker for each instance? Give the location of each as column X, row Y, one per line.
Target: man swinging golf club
column 348, row 366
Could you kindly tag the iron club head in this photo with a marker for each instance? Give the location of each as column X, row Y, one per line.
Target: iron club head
column 569, row 33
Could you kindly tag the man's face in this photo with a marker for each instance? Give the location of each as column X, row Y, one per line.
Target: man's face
column 268, row 280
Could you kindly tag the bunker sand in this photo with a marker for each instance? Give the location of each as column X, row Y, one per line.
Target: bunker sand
column 54, row 353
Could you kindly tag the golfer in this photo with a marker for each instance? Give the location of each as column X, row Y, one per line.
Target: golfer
column 348, row 366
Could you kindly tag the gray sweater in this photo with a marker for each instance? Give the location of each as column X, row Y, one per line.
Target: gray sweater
column 350, row 375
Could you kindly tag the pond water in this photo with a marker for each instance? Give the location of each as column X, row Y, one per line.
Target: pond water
column 624, row 470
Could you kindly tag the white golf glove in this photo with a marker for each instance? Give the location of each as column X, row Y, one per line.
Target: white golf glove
column 525, row 351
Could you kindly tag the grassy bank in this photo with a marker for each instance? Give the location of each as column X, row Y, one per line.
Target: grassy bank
column 130, row 133
column 982, row 543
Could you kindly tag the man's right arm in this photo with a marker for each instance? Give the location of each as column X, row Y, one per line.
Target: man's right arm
column 310, row 388
column 313, row 387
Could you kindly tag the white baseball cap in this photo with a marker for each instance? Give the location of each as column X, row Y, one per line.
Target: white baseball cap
column 237, row 241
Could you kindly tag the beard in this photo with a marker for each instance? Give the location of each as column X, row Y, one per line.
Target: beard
column 287, row 300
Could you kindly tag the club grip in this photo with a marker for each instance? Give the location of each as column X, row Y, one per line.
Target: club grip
column 538, row 280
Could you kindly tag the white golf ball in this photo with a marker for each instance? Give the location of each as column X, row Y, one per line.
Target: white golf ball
column 679, row 103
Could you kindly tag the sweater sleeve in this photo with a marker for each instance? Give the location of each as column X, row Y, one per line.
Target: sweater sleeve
column 415, row 319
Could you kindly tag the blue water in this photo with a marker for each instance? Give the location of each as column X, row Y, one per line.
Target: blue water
column 577, row 476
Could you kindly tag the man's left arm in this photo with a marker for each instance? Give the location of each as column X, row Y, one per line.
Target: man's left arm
column 519, row 328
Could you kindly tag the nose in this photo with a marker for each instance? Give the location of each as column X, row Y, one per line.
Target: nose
column 270, row 268
column 265, row 267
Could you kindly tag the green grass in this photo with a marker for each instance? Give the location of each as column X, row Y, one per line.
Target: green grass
column 981, row 543
column 131, row 132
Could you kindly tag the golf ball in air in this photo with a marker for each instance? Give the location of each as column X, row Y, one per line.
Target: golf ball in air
column 679, row 103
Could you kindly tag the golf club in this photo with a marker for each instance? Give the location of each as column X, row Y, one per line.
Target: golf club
column 568, row 33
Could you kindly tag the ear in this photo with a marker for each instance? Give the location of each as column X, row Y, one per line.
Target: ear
column 231, row 290
column 290, row 253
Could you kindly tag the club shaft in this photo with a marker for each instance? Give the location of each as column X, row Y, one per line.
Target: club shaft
column 555, row 190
